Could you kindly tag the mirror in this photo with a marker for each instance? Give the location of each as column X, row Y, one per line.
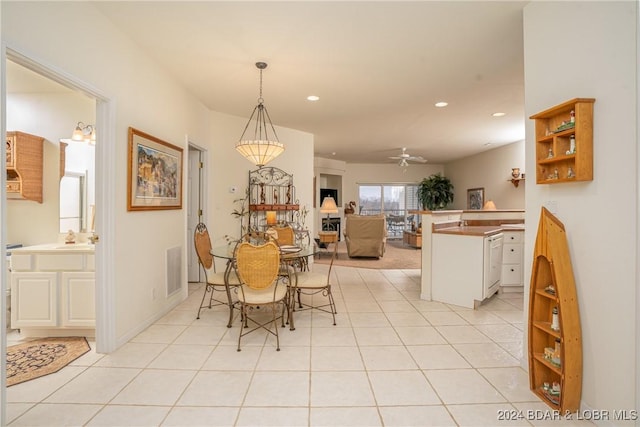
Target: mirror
column 73, row 213
column 76, row 193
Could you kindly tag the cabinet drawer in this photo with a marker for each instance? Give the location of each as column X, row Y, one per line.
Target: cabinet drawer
column 511, row 274
column 513, row 236
column 512, row 254
column 13, row 186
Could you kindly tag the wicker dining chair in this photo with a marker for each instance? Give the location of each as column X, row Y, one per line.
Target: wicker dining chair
column 314, row 285
column 286, row 235
column 214, row 282
column 258, row 268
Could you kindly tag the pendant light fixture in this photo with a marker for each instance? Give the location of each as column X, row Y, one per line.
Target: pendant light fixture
column 262, row 148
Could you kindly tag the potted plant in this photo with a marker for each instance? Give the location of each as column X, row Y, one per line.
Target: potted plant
column 435, row 192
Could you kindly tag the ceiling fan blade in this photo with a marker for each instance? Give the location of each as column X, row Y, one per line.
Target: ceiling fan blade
column 396, row 158
column 417, row 159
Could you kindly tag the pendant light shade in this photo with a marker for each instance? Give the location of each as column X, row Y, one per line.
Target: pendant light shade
column 262, row 146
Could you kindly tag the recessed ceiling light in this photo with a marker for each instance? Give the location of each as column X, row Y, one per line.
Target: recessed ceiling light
column 441, row 104
column 312, row 98
column 498, row 114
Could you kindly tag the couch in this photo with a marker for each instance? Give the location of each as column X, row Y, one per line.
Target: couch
column 365, row 235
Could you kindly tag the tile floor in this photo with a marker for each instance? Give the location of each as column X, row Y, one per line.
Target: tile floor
column 392, row 360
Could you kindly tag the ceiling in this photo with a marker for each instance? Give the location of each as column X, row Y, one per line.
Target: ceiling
column 378, row 68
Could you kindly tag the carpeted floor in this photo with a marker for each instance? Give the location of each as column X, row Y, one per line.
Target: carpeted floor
column 397, row 255
column 41, row 357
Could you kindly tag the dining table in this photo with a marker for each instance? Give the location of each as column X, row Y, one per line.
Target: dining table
column 290, row 255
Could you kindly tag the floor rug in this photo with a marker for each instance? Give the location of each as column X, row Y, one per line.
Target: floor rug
column 397, row 255
column 41, row 357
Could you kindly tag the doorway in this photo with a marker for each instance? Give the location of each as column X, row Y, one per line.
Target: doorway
column 103, row 114
column 196, row 191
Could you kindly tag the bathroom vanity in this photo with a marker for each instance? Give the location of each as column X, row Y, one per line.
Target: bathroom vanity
column 53, row 289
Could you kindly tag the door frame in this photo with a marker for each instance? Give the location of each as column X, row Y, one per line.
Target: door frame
column 105, row 192
column 202, row 194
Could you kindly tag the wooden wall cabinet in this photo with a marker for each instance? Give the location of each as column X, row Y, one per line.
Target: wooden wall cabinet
column 557, row 159
column 24, row 160
column 553, row 289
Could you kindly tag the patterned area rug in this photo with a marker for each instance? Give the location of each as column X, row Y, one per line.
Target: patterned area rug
column 397, row 255
column 41, row 357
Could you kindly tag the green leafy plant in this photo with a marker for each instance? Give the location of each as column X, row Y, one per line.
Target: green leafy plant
column 435, row 192
column 242, row 211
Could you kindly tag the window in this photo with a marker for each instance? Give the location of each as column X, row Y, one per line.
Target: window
column 392, row 200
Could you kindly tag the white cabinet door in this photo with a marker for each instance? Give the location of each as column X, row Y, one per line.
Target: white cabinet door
column 34, row 299
column 78, row 299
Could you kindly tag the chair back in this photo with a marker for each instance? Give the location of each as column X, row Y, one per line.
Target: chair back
column 334, row 255
column 257, row 265
column 202, row 243
column 286, row 236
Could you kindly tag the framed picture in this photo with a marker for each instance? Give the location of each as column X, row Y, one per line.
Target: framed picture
column 154, row 175
column 475, row 198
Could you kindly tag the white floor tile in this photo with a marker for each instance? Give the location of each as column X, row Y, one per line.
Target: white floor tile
column 402, row 388
column 285, row 417
column 333, row 337
column 199, row 416
column 501, row 333
column 83, row 389
column 122, row 415
column 182, row 356
column 216, row 388
column 38, row 389
column 439, row 318
column 462, row 334
column 368, row 320
column 159, row 334
column 488, row 415
column 437, row 357
column 513, row 383
column 407, row 319
column 336, row 359
column 52, row 414
column 155, row 387
column 486, row 355
column 418, row 335
column 340, row 389
column 352, row 417
column 228, row 358
column 387, row 357
column 287, row 359
column 458, row 386
column 132, row 355
column 278, row 389
column 416, row 416
column 376, row 336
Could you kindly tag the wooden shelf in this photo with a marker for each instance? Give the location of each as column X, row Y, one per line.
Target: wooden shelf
column 552, row 266
column 515, row 181
column 556, row 163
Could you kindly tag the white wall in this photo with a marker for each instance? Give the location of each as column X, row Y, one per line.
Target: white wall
column 491, row 170
column 227, row 168
column 593, row 54
column 51, row 116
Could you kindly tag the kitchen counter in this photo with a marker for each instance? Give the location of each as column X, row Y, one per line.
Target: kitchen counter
column 478, row 230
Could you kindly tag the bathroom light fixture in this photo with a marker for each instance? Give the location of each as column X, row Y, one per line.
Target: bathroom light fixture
column 261, row 149
column 86, row 133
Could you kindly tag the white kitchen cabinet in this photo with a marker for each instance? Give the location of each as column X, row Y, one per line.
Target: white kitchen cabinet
column 466, row 267
column 52, row 289
column 512, row 261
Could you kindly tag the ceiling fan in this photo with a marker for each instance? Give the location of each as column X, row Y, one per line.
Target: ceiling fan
column 404, row 158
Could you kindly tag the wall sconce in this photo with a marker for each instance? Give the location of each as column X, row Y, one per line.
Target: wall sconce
column 86, row 133
column 271, row 218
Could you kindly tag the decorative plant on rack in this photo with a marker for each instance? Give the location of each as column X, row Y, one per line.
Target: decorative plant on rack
column 242, row 211
column 435, row 192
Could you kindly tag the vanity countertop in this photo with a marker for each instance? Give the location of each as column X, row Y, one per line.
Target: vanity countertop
column 55, row 247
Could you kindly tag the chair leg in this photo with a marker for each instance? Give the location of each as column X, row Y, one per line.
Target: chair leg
column 206, row 288
column 275, row 326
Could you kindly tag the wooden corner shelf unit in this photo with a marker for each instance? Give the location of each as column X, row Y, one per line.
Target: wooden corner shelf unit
column 558, row 159
column 555, row 348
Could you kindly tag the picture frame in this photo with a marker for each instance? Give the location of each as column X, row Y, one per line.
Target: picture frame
column 475, row 198
column 154, row 175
